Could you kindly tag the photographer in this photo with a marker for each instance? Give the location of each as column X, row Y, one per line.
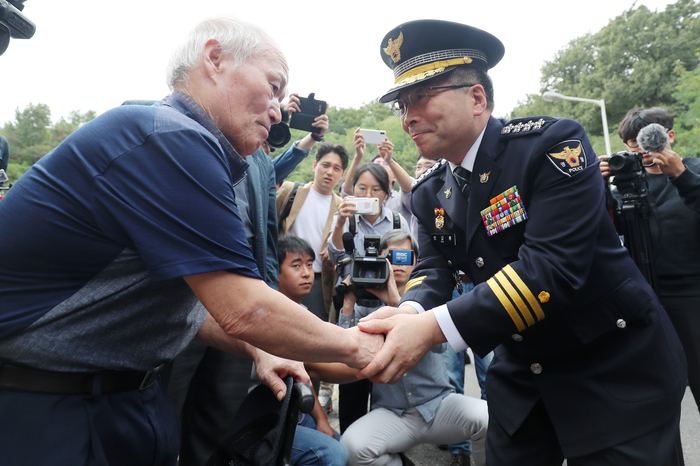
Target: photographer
column 420, row 408
column 674, row 196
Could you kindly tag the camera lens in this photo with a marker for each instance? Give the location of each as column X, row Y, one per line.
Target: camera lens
column 279, row 135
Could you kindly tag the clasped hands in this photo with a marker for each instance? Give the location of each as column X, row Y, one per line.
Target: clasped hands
column 408, row 336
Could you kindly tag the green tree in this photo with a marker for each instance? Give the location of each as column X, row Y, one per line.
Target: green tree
column 688, row 123
column 629, row 63
column 31, row 135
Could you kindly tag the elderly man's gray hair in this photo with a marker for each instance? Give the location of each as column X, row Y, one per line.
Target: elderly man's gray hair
column 396, row 236
column 238, row 39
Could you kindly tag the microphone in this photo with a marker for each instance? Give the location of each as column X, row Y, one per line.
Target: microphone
column 652, row 138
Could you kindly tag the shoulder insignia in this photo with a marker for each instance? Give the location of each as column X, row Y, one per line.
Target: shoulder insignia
column 426, row 174
column 526, row 125
column 568, row 157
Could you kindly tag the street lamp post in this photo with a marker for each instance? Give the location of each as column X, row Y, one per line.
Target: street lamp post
column 551, row 96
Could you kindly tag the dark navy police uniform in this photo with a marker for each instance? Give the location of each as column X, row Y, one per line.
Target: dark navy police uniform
column 572, row 321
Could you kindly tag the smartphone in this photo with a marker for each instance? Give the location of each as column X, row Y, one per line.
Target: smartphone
column 366, row 205
column 309, row 108
column 373, row 136
column 401, row 257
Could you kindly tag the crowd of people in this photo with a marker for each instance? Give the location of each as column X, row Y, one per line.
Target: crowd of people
column 158, row 263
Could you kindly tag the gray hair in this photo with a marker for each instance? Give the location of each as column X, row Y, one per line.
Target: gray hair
column 237, row 38
column 471, row 75
column 396, row 236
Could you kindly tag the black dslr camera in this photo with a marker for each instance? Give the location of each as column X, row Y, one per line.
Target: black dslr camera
column 13, row 23
column 370, row 270
column 310, row 108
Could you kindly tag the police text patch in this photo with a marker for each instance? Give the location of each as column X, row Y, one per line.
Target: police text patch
column 568, row 157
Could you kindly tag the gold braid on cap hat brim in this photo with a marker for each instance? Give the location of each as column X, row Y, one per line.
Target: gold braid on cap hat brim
column 425, row 71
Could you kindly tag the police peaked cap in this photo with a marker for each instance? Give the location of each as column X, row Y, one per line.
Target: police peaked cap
column 423, row 49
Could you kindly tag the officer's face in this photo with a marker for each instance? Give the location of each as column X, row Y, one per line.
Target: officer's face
column 446, row 125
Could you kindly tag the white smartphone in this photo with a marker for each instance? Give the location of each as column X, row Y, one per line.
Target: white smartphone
column 373, row 136
column 366, row 205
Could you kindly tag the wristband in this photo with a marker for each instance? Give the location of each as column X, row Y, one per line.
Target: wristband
column 315, row 137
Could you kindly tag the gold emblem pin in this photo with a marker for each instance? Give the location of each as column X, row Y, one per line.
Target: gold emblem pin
column 484, row 177
column 543, row 297
column 393, row 48
column 448, row 193
column 439, row 218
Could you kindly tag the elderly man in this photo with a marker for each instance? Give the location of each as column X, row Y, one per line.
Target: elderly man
column 109, row 240
column 587, row 365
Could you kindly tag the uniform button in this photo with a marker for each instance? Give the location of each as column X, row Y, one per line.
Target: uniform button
column 536, row 368
column 449, row 263
column 479, row 262
column 621, row 323
column 409, row 393
column 517, row 337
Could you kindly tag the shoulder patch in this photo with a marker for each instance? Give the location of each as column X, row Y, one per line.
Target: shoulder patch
column 569, row 157
column 528, row 125
column 434, row 168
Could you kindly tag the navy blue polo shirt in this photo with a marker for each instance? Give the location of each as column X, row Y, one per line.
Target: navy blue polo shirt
column 95, row 237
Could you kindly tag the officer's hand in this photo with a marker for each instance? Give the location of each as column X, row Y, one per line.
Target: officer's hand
column 604, row 167
column 387, row 311
column 271, row 370
column 408, row 338
column 669, row 162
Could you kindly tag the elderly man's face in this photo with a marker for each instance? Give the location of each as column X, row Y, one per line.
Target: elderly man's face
column 248, row 100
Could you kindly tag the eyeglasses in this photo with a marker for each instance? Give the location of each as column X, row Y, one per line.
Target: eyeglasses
column 418, row 97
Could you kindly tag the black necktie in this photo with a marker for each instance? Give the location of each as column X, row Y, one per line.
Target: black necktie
column 462, row 176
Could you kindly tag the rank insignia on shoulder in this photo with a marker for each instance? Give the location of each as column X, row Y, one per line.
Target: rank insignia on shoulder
column 568, row 157
column 524, row 125
column 505, row 210
column 426, row 174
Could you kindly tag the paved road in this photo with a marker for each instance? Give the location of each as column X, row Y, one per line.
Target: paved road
column 430, row 455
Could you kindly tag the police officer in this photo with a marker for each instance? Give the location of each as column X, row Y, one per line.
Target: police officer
column 587, row 365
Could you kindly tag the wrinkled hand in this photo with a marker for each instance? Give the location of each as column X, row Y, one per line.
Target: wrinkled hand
column 271, row 370
column 388, row 311
column 408, row 338
column 386, row 149
column 669, row 162
column 369, row 346
column 358, row 141
column 604, row 167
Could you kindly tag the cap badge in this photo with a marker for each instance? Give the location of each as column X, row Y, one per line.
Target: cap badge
column 484, row 177
column 448, row 193
column 393, row 48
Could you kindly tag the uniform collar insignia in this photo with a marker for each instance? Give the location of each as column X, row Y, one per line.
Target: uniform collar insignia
column 393, row 48
column 448, row 193
column 484, row 177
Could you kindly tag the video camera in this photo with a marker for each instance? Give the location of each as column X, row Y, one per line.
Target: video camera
column 13, row 23
column 370, row 270
column 628, row 172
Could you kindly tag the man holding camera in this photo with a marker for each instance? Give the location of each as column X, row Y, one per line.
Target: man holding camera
column 674, row 196
column 587, row 365
column 100, row 280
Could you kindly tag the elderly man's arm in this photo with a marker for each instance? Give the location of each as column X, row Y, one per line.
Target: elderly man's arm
column 246, row 309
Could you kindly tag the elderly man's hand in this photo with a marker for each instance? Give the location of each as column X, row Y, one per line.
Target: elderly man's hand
column 369, row 346
column 271, row 370
column 408, row 338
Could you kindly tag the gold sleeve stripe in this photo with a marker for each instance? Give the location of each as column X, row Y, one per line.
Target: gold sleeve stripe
column 495, row 287
column 525, row 291
column 413, row 282
column 515, row 297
